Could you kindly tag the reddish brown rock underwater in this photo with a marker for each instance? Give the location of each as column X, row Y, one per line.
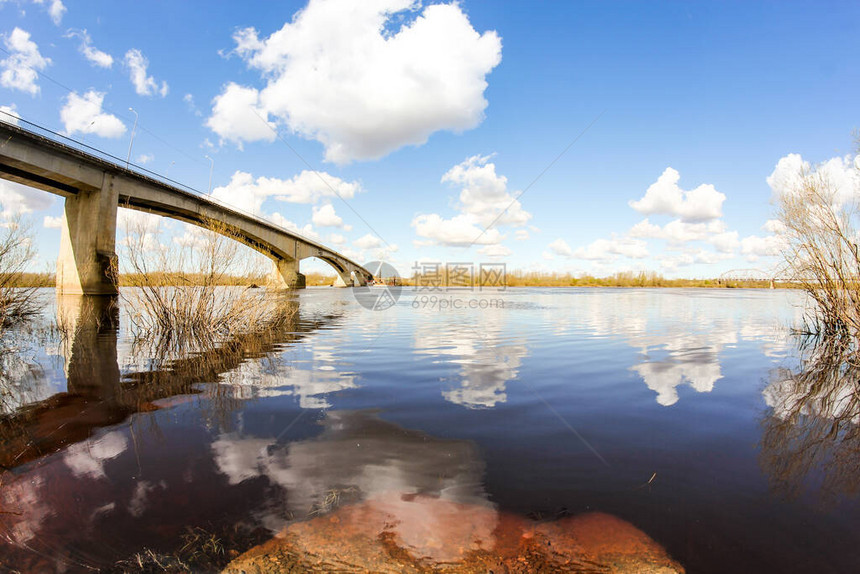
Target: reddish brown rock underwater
column 418, row 534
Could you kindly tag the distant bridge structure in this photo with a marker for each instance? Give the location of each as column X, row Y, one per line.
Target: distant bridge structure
column 93, row 188
column 770, row 276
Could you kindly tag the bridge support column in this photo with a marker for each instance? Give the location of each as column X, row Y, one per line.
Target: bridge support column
column 339, row 281
column 349, row 279
column 87, row 263
column 286, row 275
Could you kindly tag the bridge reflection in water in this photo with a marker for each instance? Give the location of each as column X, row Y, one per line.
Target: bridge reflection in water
column 98, row 394
column 79, row 468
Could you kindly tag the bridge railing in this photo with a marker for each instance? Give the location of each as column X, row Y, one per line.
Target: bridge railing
column 32, row 128
column 69, row 142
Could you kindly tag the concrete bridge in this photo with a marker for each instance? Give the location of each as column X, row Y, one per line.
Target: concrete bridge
column 94, row 187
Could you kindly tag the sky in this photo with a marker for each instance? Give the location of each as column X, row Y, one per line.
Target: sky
column 577, row 137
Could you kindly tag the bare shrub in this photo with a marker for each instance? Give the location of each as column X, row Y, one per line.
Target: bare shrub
column 188, row 294
column 17, row 301
column 821, row 249
column 19, row 306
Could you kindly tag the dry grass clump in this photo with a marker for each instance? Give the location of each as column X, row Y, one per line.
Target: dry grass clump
column 180, row 294
column 202, row 550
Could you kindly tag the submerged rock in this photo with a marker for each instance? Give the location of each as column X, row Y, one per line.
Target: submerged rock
column 406, row 533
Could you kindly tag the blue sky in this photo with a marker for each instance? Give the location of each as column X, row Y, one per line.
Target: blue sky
column 428, row 119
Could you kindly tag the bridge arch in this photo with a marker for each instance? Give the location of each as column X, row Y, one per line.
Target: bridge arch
column 286, row 257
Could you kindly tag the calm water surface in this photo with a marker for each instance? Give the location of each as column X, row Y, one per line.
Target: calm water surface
column 662, row 407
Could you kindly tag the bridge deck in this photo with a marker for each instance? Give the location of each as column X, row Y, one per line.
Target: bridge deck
column 60, row 168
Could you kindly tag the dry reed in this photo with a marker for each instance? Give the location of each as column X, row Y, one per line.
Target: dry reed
column 177, row 294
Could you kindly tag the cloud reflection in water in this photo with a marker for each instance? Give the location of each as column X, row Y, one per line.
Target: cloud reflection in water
column 356, row 457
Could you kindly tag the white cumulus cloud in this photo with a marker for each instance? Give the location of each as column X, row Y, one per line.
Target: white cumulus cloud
column 460, row 230
column 17, row 199
column 696, row 235
column 677, row 232
column 368, row 242
column 605, row 250
column 755, row 247
column 90, row 52
column 144, row 85
column 348, row 75
column 306, row 230
column 83, row 114
column 484, row 193
column 483, row 204
column 51, row 222
column 55, row 8
column 20, row 69
column 691, row 256
column 192, row 106
column 325, row 216
column 774, row 226
column 247, row 193
column 238, row 117
column 725, row 242
column 665, row 197
column 311, row 186
column 560, row 247
column 837, row 176
column 495, row 251
column 838, row 179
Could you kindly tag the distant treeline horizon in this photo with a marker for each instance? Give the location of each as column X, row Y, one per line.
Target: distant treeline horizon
column 512, row 279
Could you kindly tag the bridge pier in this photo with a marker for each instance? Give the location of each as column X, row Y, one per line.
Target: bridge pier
column 87, row 264
column 286, row 274
column 339, row 281
column 358, row 280
column 347, row 278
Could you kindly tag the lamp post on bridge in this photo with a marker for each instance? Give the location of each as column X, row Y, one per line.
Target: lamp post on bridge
column 128, row 157
column 211, row 168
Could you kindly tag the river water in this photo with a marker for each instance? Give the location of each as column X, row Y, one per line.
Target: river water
column 666, row 408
